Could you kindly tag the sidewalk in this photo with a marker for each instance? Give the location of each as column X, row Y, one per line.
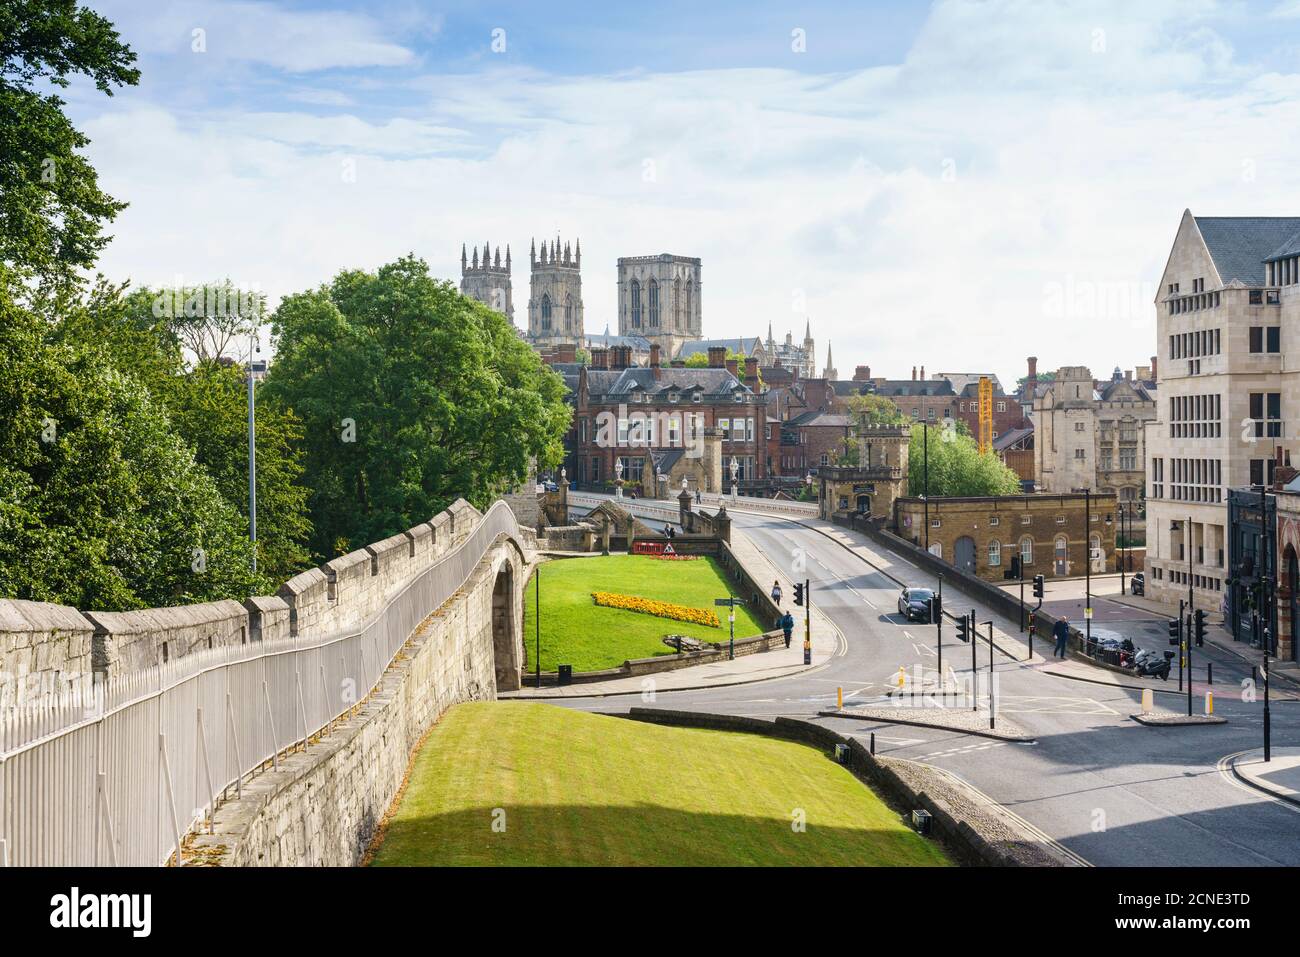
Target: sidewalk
column 1280, row 777
column 763, row 666
column 1217, row 635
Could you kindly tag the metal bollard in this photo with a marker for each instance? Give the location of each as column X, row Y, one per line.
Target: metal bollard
column 873, row 742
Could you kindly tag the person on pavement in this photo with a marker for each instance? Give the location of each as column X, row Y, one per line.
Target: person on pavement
column 776, row 593
column 787, row 626
column 1061, row 631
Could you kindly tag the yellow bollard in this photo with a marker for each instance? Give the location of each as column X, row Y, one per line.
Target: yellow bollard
column 839, row 699
column 901, row 676
column 1147, row 696
column 1209, row 703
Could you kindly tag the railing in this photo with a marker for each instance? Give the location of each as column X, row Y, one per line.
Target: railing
column 781, row 506
column 119, row 773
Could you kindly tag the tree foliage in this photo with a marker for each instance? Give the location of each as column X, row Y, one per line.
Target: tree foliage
column 956, row 467
column 410, row 395
column 102, row 505
column 52, row 210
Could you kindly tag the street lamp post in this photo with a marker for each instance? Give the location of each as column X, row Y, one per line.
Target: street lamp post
column 1123, row 548
column 1087, row 568
column 1267, row 636
column 253, row 347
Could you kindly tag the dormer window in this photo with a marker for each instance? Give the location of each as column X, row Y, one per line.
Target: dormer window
column 738, row 396
column 673, row 396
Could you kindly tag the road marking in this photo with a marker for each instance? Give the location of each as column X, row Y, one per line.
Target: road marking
column 1224, row 766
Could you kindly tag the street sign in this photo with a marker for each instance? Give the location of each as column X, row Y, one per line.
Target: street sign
column 728, row 601
column 1087, row 613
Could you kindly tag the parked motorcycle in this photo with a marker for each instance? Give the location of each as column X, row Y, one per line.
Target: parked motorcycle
column 1148, row 664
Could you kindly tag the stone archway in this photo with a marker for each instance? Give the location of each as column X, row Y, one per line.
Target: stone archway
column 505, row 629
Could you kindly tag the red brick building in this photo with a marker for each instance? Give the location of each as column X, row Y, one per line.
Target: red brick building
column 693, row 422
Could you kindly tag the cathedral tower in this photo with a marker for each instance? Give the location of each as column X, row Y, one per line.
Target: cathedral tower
column 659, row 298
column 555, row 293
column 488, row 280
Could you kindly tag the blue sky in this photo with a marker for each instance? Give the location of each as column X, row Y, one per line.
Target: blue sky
column 955, row 185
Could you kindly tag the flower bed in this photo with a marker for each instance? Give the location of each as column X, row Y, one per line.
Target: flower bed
column 660, row 609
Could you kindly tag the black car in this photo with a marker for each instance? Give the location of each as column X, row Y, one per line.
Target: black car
column 1138, row 584
column 914, row 604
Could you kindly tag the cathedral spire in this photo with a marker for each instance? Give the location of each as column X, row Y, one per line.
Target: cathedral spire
column 475, row 257
column 577, row 253
column 507, row 257
column 463, row 258
column 532, row 251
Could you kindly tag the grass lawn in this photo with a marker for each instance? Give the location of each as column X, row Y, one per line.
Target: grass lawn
column 577, row 632
column 574, row 788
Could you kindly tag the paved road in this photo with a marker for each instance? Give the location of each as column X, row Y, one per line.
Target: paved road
column 1107, row 788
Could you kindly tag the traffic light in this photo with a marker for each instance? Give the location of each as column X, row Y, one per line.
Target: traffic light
column 1038, row 586
column 936, row 608
column 963, row 628
column 1015, row 566
column 1173, row 631
column 798, row 593
column 1198, row 627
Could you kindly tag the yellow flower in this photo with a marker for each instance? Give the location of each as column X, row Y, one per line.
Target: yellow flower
column 660, row 609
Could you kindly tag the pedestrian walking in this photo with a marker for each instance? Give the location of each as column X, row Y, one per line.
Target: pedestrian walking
column 699, row 499
column 1223, row 608
column 787, row 626
column 776, row 593
column 1061, row 631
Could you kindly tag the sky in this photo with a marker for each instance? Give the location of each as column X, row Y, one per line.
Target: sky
column 955, row 185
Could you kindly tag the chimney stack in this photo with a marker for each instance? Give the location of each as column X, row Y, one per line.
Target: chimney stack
column 600, row 358
column 922, row 373
column 733, row 367
column 654, row 355
column 751, row 372
column 1128, row 375
column 1154, row 377
column 862, row 374
column 913, row 373
column 717, row 357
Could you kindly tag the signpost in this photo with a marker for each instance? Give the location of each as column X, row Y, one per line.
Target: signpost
column 730, row 602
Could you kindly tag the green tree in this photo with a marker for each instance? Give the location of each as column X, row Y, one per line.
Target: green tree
column 52, row 210
column 102, row 505
column 206, row 403
column 410, row 395
column 956, row 466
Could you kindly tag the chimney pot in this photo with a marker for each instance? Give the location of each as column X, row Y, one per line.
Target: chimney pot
column 717, row 357
column 654, row 355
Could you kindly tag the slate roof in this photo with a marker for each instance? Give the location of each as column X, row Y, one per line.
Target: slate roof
column 963, row 381
column 743, row 345
column 914, row 387
column 605, row 340
column 616, row 382
column 1240, row 245
column 817, row 418
column 1011, row 437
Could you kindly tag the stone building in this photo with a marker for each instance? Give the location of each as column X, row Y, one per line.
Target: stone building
column 981, row 534
column 872, row 486
column 1090, row 434
column 1227, row 308
column 488, row 280
column 667, row 420
column 799, row 358
column 555, row 313
column 659, row 298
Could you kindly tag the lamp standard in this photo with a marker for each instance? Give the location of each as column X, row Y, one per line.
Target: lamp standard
column 254, row 346
column 1123, row 552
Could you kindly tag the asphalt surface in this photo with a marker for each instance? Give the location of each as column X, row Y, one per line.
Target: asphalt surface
column 1110, row 790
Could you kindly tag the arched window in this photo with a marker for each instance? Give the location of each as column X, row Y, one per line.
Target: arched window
column 636, row 304
column 1026, row 551
column 546, row 310
column 995, row 553
column 568, row 311
column 1062, row 548
column 678, row 313
column 690, row 304
column 654, row 304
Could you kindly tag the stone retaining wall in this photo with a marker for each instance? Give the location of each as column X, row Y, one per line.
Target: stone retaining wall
column 970, row 838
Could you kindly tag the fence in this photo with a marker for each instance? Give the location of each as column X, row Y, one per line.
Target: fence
column 118, row 774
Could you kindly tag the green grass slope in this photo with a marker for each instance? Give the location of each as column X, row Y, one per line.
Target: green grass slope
column 572, row 788
column 577, row 632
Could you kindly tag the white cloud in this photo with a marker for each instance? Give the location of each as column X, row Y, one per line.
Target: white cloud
column 258, row 32
column 980, row 202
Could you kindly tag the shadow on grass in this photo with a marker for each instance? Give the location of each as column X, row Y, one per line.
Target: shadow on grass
column 640, row 836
